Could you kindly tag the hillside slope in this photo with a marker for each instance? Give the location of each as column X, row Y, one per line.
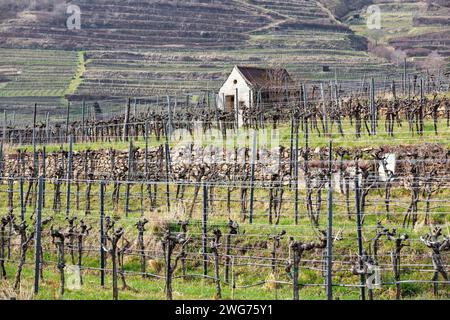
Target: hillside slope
column 418, row 30
column 144, row 24
column 161, row 47
column 114, row 24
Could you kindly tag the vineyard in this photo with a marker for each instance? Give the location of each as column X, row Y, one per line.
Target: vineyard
column 167, row 47
column 130, row 171
column 324, row 194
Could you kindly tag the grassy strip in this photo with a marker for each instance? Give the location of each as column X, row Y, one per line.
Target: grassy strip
column 77, row 78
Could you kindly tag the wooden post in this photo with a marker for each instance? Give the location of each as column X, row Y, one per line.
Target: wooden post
column 394, row 91
column 37, row 238
column 127, row 119
column 216, row 111
column 146, row 131
column 252, row 178
column 83, row 125
column 167, row 163
column 372, row 108
column 236, row 108
column 67, row 120
column 291, row 147
column 169, row 124
column 233, row 279
column 296, row 158
column 22, row 200
column 69, row 174
column 167, row 273
column 5, row 119
column 47, row 127
column 329, row 283
column 129, row 176
column 204, row 229
column 44, row 169
column 362, row 288
column 324, row 110
column 35, row 156
column 102, row 233
column 421, row 108
column 174, row 111
column 2, row 161
column 404, row 76
column 208, row 101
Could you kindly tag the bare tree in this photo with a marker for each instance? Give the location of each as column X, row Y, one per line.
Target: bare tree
column 434, row 63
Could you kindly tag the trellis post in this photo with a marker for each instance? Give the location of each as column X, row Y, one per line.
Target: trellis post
column 5, row 119
column 47, row 127
column 252, row 178
column 372, row 108
column 169, row 124
column 329, row 283
column 204, row 229
column 44, row 168
column 37, row 239
column 236, row 108
column 167, row 163
column 69, row 174
column 67, row 120
column 127, row 119
column 102, row 238
column 362, row 289
column 83, row 116
column 296, row 158
column 129, row 175
column 22, row 200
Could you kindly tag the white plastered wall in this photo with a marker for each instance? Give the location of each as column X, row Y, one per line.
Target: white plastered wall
column 244, row 91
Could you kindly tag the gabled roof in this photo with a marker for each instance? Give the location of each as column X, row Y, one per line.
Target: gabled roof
column 264, row 77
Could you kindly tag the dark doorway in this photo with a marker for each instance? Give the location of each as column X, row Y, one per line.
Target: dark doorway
column 229, row 103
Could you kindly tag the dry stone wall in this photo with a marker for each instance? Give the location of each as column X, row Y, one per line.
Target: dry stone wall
column 213, row 164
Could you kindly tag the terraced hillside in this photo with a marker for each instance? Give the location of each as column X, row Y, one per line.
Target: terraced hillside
column 144, row 74
column 150, row 23
column 301, row 14
column 35, row 76
column 418, row 29
column 157, row 47
column 142, row 25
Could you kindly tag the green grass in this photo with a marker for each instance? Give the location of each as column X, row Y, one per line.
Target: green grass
column 402, row 136
column 77, row 78
column 259, row 231
column 397, row 21
column 39, row 73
